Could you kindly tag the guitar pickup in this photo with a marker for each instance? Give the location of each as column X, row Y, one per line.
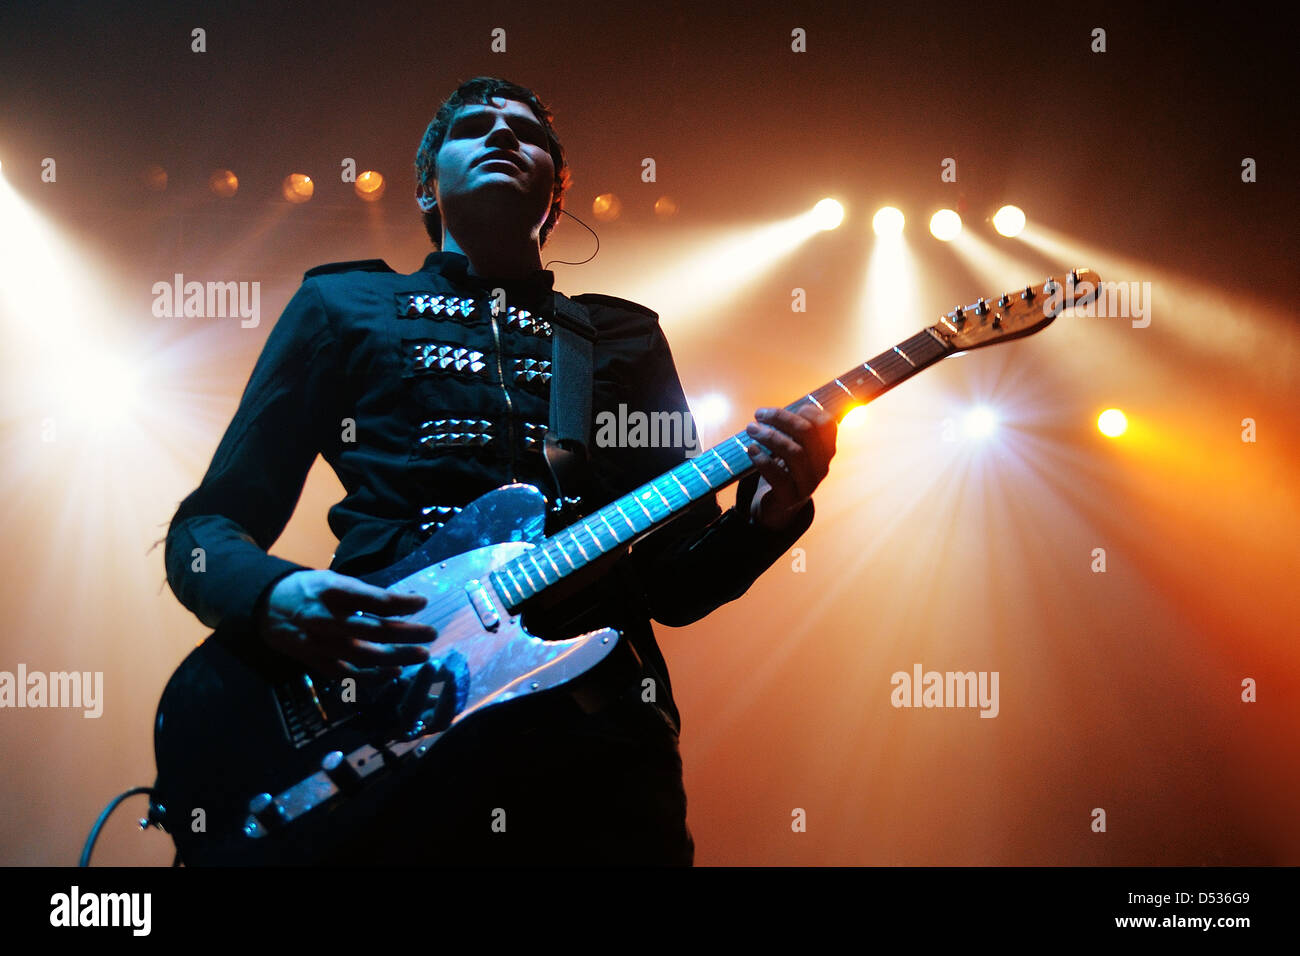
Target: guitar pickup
column 482, row 604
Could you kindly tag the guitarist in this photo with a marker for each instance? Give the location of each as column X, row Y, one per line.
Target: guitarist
column 345, row 375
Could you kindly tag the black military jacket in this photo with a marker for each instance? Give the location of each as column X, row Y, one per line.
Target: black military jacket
column 421, row 404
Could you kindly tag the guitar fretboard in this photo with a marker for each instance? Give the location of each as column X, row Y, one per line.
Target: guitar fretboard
column 624, row 520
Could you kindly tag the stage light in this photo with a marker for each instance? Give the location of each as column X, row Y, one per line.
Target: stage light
column 369, row 185
column 224, row 183
column 687, row 282
column 665, row 207
column 710, row 411
column 828, row 214
column 297, row 187
column 887, row 221
column 980, row 422
column 888, row 304
column 1009, row 220
column 101, row 389
column 945, row 225
column 1112, row 423
column 606, row 207
column 856, row 418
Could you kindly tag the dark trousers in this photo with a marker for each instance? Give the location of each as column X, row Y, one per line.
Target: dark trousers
column 523, row 784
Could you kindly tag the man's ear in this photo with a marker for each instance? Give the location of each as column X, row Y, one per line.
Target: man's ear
column 425, row 198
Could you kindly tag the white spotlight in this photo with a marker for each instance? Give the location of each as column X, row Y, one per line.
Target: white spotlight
column 1009, row 220
column 945, row 225
column 710, row 411
column 828, row 214
column 888, row 221
column 980, row 422
column 94, row 387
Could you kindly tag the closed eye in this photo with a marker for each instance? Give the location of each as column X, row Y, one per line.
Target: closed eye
column 473, row 124
column 531, row 133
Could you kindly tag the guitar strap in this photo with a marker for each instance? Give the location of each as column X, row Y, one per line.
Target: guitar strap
column 572, row 384
column 572, row 338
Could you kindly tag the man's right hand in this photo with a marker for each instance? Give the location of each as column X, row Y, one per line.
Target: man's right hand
column 311, row 616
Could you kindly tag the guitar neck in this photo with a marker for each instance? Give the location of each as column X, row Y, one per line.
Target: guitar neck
column 624, row 520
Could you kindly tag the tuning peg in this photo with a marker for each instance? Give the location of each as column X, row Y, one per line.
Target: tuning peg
column 981, row 307
column 958, row 316
column 1028, row 294
column 1004, row 301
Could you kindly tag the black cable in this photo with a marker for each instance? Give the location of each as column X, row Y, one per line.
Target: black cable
column 566, row 262
column 103, row 818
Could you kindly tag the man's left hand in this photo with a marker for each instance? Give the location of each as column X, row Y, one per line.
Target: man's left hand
column 802, row 445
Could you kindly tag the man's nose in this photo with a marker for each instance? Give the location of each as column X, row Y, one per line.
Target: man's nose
column 501, row 135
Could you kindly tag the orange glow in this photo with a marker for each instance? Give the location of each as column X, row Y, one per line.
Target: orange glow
column 370, row 185
column 856, row 417
column 665, row 207
column 224, row 183
column 298, row 187
column 606, row 207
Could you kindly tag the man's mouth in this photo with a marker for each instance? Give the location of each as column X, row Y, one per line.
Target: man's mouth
column 498, row 156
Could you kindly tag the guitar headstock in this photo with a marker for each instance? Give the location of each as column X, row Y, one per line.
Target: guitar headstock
column 1013, row 315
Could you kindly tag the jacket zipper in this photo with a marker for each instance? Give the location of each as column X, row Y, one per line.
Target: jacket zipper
column 501, row 376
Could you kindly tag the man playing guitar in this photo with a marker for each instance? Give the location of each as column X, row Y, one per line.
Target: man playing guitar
column 420, row 410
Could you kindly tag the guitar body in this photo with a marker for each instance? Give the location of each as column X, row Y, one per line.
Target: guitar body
column 237, row 720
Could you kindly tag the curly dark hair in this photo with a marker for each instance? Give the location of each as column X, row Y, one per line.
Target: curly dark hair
column 477, row 91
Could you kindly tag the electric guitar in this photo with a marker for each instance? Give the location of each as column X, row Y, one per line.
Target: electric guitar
column 261, row 762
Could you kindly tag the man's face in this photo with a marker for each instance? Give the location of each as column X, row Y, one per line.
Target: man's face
column 495, row 158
